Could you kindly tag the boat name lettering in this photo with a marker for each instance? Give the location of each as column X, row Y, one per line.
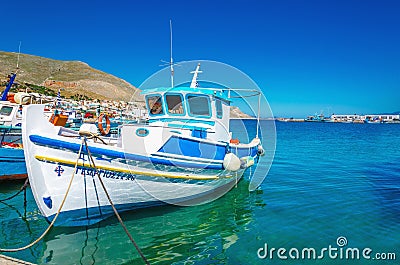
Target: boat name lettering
column 104, row 173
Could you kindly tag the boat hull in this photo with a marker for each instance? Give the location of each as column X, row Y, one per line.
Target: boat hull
column 12, row 164
column 52, row 160
column 130, row 187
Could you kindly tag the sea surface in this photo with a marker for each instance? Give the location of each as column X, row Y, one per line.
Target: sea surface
column 331, row 187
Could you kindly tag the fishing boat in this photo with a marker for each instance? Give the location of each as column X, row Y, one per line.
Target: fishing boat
column 184, row 155
column 317, row 118
column 12, row 162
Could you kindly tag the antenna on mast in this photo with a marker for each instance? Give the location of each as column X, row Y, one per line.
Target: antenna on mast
column 194, row 83
column 19, row 52
column 171, row 61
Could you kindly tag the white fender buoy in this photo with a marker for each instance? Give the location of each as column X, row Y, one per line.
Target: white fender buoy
column 88, row 129
column 260, row 150
column 231, row 162
column 22, row 98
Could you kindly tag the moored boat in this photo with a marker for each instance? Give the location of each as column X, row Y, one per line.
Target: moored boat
column 12, row 162
column 184, row 156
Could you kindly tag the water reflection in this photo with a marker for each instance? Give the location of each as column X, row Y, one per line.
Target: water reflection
column 166, row 235
column 16, row 226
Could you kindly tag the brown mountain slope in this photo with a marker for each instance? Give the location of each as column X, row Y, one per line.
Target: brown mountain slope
column 73, row 76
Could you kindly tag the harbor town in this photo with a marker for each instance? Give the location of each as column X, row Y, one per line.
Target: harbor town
column 348, row 118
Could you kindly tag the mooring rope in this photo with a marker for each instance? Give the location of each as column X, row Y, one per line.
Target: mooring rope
column 95, row 137
column 23, row 187
column 95, row 190
column 88, row 135
column 114, row 209
column 58, row 212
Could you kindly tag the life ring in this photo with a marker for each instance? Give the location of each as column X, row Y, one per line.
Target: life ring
column 100, row 124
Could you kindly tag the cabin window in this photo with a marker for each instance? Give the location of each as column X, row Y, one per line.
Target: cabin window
column 218, row 107
column 154, row 104
column 199, row 105
column 174, row 104
column 6, row 110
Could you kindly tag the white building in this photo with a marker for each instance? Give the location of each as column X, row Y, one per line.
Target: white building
column 367, row 117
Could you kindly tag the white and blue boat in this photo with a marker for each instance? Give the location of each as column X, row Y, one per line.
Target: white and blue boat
column 12, row 162
column 183, row 156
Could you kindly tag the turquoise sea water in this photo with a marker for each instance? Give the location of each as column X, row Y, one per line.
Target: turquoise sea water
column 326, row 181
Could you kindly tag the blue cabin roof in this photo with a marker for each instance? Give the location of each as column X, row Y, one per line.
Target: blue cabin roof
column 217, row 92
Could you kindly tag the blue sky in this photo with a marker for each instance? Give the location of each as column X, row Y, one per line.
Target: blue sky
column 306, row 56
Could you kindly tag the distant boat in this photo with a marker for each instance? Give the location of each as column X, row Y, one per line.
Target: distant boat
column 184, row 155
column 315, row 118
column 374, row 120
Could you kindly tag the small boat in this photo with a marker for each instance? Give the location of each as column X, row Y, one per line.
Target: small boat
column 12, row 162
column 316, row 118
column 184, row 155
column 375, row 120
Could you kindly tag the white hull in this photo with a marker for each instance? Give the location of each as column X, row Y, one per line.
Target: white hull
column 127, row 191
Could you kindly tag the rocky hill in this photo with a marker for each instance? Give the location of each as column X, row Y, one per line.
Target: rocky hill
column 236, row 113
column 73, row 77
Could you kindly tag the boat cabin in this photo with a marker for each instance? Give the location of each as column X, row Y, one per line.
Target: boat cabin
column 203, row 111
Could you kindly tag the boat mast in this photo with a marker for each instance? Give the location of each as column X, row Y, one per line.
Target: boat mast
column 171, row 63
column 19, row 52
column 11, row 78
column 194, row 83
column 258, row 114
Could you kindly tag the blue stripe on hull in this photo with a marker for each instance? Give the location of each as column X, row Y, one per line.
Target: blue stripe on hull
column 96, row 151
column 188, row 147
column 242, row 152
